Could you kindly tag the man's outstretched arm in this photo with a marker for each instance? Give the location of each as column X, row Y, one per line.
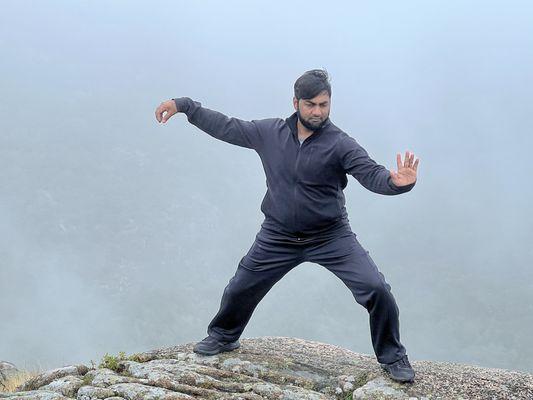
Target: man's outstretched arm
column 375, row 177
column 228, row 129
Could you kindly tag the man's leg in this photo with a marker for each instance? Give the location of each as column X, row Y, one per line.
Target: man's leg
column 348, row 260
column 265, row 263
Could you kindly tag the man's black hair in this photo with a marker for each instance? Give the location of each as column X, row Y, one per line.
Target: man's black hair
column 311, row 84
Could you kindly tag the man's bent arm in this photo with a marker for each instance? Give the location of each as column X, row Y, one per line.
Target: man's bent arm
column 230, row 130
column 375, row 177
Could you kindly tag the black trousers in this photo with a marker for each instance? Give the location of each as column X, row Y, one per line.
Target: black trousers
column 271, row 257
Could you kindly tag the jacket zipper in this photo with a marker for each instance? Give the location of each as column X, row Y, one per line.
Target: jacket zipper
column 295, row 203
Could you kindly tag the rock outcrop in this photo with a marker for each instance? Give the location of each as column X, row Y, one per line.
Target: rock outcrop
column 270, row 368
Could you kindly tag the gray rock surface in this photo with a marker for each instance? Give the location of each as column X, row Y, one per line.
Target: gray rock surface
column 271, row 368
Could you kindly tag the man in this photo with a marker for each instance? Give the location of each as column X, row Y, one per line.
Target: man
column 306, row 159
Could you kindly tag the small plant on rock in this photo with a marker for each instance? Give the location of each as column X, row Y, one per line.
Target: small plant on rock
column 112, row 362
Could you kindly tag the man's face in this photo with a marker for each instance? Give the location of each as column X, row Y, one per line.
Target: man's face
column 312, row 113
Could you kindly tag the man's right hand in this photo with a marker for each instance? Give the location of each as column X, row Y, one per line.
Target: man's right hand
column 168, row 108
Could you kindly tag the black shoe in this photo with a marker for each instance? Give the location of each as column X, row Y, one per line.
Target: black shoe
column 400, row 370
column 210, row 346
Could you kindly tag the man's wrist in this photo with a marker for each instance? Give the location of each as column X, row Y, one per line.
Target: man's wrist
column 402, row 189
column 182, row 104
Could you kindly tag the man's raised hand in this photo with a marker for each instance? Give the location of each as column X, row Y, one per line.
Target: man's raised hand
column 168, row 108
column 406, row 171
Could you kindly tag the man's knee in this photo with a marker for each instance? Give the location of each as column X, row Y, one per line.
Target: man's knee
column 370, row 292
column 248, row 283
column 376, row 286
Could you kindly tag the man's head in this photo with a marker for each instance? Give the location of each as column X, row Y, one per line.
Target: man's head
column 312, row 98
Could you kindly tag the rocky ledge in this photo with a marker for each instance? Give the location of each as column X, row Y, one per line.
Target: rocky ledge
column 269, row 368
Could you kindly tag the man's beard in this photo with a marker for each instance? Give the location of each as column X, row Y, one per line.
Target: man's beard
column 312, row 126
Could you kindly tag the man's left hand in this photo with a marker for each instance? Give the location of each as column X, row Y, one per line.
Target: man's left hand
column 406, row 173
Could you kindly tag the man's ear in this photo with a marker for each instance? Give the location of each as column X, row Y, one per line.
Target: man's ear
column 295, row 103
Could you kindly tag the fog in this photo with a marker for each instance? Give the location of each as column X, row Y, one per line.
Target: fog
column 119, row 233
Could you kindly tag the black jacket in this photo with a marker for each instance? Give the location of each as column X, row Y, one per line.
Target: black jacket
column 305, row 181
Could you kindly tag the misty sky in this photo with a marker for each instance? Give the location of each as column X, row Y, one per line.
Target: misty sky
column 119, row 233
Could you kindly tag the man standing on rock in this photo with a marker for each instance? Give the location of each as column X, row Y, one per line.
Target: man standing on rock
column 306, row 159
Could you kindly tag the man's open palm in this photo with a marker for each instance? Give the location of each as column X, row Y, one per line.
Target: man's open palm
column 406, row 173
